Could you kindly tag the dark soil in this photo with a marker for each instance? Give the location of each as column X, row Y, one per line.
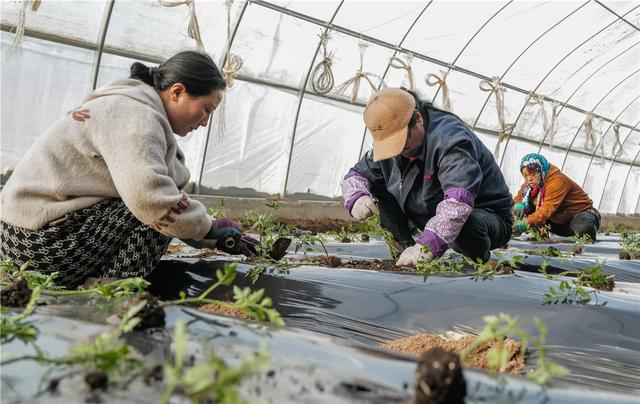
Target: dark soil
column 439, row 378
column 418, row 344
column 156, row 374
column 328, row 260
column 577, row 250
column 375, row 265
column 548, row 251
column 52, row 387
column 500, row 268
column 151, row 315
column 174, row 249
column 345, row 240
column 364, row 237
column 17, row 294
column 96, row 380
column 624, row 255
column 317, row 226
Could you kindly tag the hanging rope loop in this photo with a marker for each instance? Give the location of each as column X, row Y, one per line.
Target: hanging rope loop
column 398, row 63
column 20, row 24
column 435, row 80
column 193, row 30
column 617, row 145
column 354, row 82
column 494, row 86
column 590, row 138
column 233, row 63
column 322, row 80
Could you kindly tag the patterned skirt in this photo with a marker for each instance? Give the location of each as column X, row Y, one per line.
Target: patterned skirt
column 104, row 240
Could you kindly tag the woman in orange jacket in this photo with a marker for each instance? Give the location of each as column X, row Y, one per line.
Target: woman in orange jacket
column 550, row 197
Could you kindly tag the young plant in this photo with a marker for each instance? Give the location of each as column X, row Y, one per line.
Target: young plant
column 545, row 369
column 249, row 302
column 437, row 266
column 218, row 212
column 14, row 326
column 497, row 328
column 567, row 293
column 121, row 288
column 594, row 278
column 540, row 234
column 580, row 240
column 631, row 244
column 211, row 381
column 33, row 278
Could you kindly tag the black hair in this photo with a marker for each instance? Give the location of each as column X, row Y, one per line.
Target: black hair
column 414, row 117
column 196, row 70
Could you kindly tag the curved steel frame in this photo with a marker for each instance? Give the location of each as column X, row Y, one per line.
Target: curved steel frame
column 585, row 82
column 515, row 123
column 593, row 153
column 467, row 45
column 386, row 70
column 301, row 92
column 626, row 179
column 475, row 122
column 210, row 124
column 593, row 109
column 102, row 36
column 606, row 180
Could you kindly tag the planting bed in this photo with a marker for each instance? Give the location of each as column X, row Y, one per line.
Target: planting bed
column 344, row 326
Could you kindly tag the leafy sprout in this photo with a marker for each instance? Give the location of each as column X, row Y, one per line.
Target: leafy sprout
column 14, row 326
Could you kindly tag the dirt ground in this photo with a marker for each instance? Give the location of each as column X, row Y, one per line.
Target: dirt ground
column 225, row 311
column 417, row 344
column 317, row 226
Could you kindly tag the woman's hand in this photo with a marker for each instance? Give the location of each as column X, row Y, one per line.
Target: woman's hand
column 364, row 207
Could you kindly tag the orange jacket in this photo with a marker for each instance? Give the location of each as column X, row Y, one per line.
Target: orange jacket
column 562, row 201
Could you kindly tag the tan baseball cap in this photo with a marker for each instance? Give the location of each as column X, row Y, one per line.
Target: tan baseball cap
column 387, row 117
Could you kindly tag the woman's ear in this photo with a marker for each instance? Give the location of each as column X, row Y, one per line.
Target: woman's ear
column 419, row 119
column 176, row 90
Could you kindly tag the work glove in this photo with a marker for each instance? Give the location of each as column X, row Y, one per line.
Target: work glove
column 224, row 235
column 519, row 227
column 519, row 210
column 364, row 207
column 411, row 255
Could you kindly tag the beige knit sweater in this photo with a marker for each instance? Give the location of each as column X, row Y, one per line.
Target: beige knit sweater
column 117, row 144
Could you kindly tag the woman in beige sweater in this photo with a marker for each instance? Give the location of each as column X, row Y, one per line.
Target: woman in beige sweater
column 100, row 192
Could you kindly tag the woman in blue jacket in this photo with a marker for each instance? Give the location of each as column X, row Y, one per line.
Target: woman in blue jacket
column 428, row 171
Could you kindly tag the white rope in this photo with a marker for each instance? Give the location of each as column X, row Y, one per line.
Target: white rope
column 233, row 63
column 537, row 99
column 355, row 80
column 494, row 86
column 589, row 139
column 617, row 146
column 550, row 132
column 434, row 80
column 20, row 25
column 398, row 63
column 322, row 80
column 193, row 30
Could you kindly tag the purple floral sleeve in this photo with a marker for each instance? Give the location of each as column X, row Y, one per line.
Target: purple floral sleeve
column 451, row 214
column 354, row 185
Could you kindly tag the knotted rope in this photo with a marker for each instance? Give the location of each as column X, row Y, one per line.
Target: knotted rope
column 233, row 63
column 494, row 86
column 21, row 22
column 193, row 30
column 434, row 80
column 398, row 63
column 355, row 80
column 537, row 99
column 322, row 77
column 617, row 146
column 551, row 130
column 590, row 138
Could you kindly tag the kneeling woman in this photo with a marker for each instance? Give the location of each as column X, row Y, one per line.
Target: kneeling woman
column 550, row 197
column 100, row 192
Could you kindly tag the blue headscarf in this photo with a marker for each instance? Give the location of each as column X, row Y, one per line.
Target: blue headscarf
column 536, row 162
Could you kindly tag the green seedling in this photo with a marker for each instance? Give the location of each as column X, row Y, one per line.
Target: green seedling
column 33, row 278
column 546, row 252
column 14, row 326
column 211, row 381
column 567, row 293
column 631, row 244
column 580, row 240
column 574, row 292
column 545, row 369
column 540, row 234
column 121, row 288
column 594, row 278
column 437, row 265
column 497, row 328
column 249, row 302
column 218, row 212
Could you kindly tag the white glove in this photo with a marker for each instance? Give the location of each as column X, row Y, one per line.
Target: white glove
column 364, row 207
column 411, row 255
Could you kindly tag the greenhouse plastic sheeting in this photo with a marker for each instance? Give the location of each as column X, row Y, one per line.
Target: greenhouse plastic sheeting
column 303, row 367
